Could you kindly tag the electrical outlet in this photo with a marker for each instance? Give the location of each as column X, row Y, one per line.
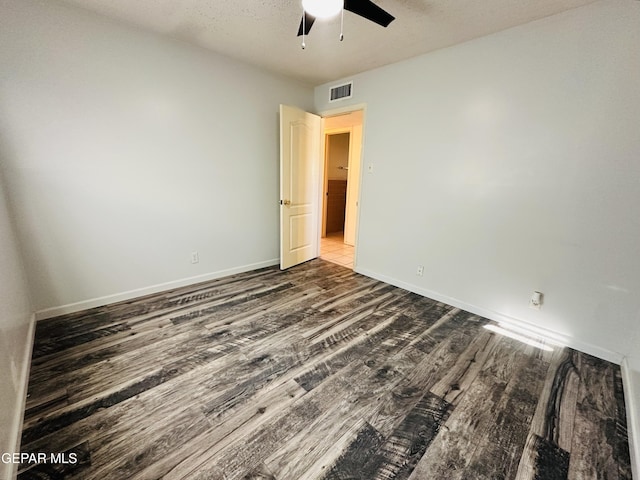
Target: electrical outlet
column 195, row 258
column 370, row 168
column 536, row 300
column 420, row 270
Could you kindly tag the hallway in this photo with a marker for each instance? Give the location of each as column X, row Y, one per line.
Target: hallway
column 333, row 249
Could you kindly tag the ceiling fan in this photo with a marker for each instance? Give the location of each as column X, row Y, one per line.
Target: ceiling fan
column 327, row 8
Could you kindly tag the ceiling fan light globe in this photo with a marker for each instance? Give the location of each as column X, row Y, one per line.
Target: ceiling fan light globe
column 322, row 8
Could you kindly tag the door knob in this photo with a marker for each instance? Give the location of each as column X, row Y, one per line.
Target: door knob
column 286, row 202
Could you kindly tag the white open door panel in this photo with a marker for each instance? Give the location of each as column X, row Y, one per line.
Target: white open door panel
column 300, row 134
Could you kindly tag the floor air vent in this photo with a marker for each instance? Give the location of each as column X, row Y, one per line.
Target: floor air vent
column 340, row 92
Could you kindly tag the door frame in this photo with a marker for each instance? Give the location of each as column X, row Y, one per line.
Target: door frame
column 332, row 113
column 325, row 183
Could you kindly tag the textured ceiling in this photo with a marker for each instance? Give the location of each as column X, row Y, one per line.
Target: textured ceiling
column 263, row 32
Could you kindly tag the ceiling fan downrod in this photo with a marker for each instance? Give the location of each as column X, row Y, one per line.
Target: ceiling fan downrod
column 303, row 27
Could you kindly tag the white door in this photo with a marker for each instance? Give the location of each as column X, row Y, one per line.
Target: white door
column 300, row 134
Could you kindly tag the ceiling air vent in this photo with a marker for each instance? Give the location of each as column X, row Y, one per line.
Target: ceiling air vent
column 340, row 92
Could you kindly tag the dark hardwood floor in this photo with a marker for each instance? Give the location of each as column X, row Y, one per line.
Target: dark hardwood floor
column 313, row 373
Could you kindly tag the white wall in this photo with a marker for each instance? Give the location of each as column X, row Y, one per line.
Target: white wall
column 125, row 151
column 338, row 156
column 510, row 164
column 15, row 336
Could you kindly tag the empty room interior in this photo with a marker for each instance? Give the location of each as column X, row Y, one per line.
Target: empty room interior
column 168, row 308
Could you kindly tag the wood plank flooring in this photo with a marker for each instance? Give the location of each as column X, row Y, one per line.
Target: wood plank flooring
column 313, row 373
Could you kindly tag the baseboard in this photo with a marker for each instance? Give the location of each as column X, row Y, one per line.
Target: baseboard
column 140, row 292
column 16, row 433
column 631, row 393
column 499, row 317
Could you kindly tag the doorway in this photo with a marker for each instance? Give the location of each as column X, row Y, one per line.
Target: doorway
column 341, row 185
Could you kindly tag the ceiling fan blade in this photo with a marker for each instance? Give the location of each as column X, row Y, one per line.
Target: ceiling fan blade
column 370, row 11
column 308, row 22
